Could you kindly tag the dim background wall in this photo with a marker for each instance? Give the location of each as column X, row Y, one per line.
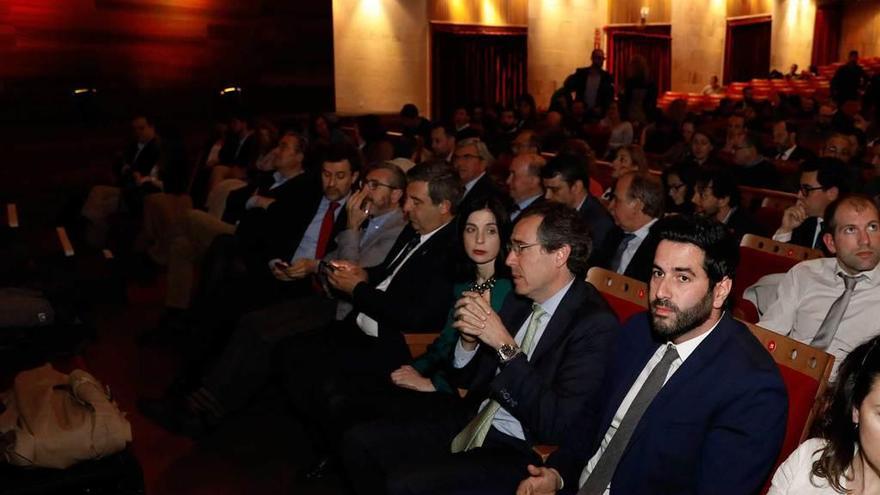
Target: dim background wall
column 792, row 37
column 861, row 28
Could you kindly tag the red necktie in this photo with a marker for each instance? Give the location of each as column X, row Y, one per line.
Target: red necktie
column 326, row 230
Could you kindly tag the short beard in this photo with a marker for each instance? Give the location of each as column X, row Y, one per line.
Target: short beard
column 684, row 320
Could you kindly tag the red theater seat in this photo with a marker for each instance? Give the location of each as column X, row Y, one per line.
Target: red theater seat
column 759, row 256
column 625, row 295
column 805, row 371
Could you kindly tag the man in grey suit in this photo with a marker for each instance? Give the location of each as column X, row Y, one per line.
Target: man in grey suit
column 375, row 220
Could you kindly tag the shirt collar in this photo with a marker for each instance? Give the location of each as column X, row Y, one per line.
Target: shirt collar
column 470, row 184
column 326, row 202
column 378, row 221
column 729, row 214
column 526, row 202
column 550, row 305
column 642, row 232
column 581, row 204
column 424, row 237
column 870, row 275
column 686, row 348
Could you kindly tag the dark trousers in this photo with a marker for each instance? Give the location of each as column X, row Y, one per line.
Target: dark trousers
column 246, row 363
column 413, row 457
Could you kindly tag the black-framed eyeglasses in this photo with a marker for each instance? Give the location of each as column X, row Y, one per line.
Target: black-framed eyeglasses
column 373, row 184
column 806, row 189
column 517, row 247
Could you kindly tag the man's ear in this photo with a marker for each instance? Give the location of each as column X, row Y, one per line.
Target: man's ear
column 721, row 292
column 396, row 195
column 828, row 239
column 562, row 255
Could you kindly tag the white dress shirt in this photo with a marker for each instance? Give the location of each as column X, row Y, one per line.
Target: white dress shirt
column 685, row 349
column 634, row 245
column 787, row 153
column 786, row 236
column 523, row 205
column 794, row 476
column 278, row 181
column 806, row 293
column 503, row 420
column 370, row 326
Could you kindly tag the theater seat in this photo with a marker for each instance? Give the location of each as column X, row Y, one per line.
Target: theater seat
column 625, row 295
column 761, row 256
column 418, row 342
column 805, row 371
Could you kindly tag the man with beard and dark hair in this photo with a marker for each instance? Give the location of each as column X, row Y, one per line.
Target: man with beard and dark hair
column 696, row 405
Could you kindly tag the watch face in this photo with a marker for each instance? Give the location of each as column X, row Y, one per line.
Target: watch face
column 507, row 352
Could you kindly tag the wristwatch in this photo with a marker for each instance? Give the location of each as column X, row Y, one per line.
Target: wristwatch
column 507, row 352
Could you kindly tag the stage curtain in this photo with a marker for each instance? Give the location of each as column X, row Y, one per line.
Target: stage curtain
column 476, row 66
column 747, row 49
column 826, row 35
column 651, row 42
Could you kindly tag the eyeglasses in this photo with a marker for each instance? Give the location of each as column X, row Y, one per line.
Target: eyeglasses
column 675, row 187
column 373, row 184
column 806, row 189
column 467, row 156
column 517, row 248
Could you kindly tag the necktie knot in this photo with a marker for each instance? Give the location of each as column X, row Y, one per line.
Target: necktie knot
column 850, row 281
column 334, row 205
column 538, row 311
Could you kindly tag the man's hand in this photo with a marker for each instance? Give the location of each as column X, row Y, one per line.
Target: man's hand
column 356, row 215
column 301, row 268
column 475, row 317
column 261, row 201
column 407, row 377
column 541, row 481
column 346, row 276
column 793, row 217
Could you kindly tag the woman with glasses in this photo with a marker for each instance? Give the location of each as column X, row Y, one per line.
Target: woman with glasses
column 846, row 459
column 678, row 182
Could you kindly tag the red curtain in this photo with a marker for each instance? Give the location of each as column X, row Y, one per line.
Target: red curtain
column 747, row 49
column 826, row 35
column 476, row 65
column 652, row 42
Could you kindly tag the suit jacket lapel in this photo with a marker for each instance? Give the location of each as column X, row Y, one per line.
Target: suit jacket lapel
column 561, row 318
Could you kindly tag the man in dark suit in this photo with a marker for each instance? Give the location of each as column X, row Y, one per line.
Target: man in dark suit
column 529, row 370
column 696, row 404
column 822, row 181
column 752, row 169
column 636, row 203
column 785, row 143
column 471, row 159
column 566, row 180
column 524, row 182
column 592, row 85
column 716, row 196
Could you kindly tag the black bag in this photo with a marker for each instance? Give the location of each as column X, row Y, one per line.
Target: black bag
column 118, row 474
column 24, row 308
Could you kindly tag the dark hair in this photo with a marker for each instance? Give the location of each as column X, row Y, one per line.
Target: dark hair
column 409, row 110
column 830, row 172
column 447, row 128
column 570, row 167
column 687, row 175
column 147, row 118
column 466, row 266
column 790, row 127
column 857, row 200
column 563, row 226
column 343, row 151
column 443, row 182
column 721, row 182
column 855, row 377
column 720, row 249
column 647, row 188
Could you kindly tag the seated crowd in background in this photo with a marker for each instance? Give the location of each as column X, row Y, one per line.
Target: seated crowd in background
column 303, row 253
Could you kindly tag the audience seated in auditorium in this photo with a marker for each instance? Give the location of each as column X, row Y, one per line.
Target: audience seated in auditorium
column 565, row 180
column 442, row 141
column 239, row 152
column 785, row 143
column 483, row 233
column 636, row 203
column 717, row 197
column 702, row 147
column 735, row 132
column 137, row 174
column 844, row 458
column 822, row 181
column 536, row 367
column 374, row 222
column 680, row 150
column 678, row 182
column 752, row 169
column 527, row 111
column 621, row 130
column 696, row 404
column 471, row 159
column 833, row 303
column 592, row 85
column 713, row 88
column 524, row 183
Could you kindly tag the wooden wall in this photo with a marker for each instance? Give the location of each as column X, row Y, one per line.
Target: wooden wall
column 484, row 12
column 860, row 29
column 629, row 11
column 169, row 48
column 737, row 8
